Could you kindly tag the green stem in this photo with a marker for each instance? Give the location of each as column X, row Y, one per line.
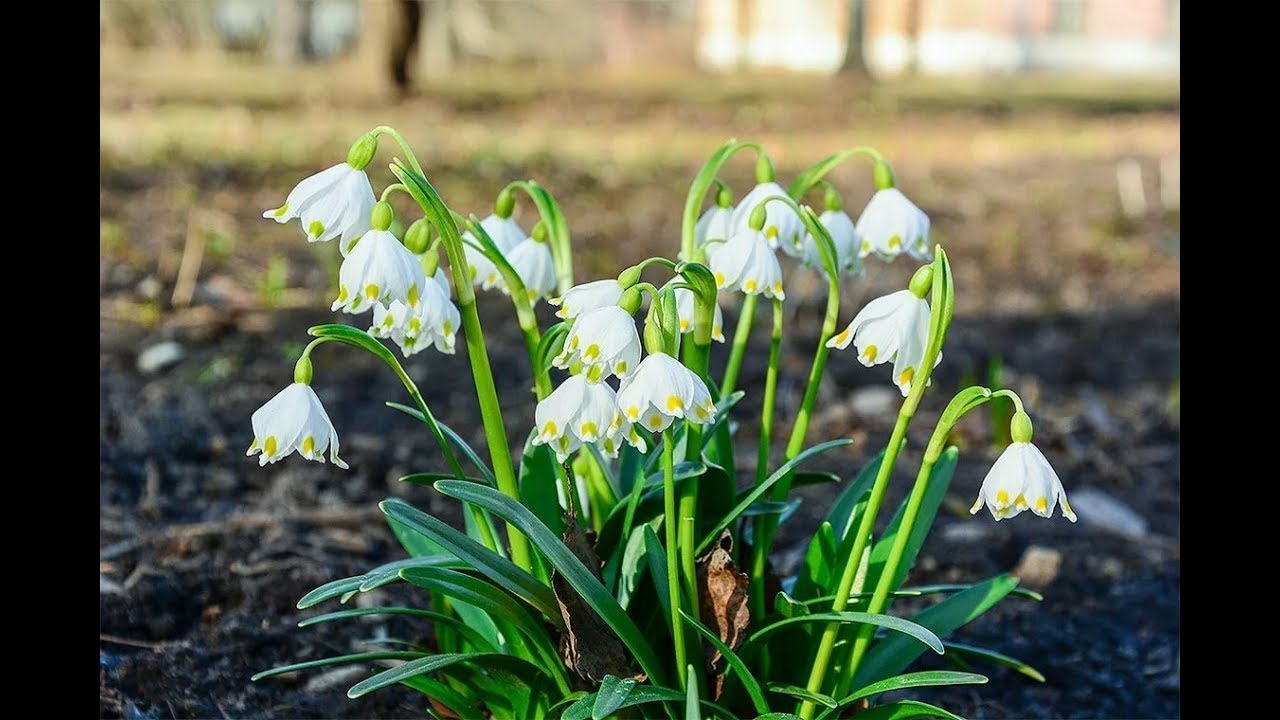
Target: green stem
column 393, row 187
column 698, row 191
column 404, row 145
column 673, row 561
column 814, row 173
column 760, row 552
column 746, row 314
column 557, row 227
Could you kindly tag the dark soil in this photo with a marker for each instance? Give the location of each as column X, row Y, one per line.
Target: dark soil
column 204, row 554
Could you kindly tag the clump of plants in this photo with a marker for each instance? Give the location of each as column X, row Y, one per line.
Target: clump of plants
column 611, row 565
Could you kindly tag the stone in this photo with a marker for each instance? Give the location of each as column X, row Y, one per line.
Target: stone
column 875, row 400
column 159, row 356
column 1038, row 567
column 1102, row 511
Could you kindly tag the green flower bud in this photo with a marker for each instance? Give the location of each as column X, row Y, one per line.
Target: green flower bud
column 883, row 176
column 724, row 196
column 654, row 342
column 630, row 276
column 758, row 215
column 764, row 169
column 418, row 237
column 831, row 199
column 505, row 204
column 1020, row 428
column 382, row 216
column 362, row 152
column 922, row 282
column 302, row 370
column 539, row 233
column 630, row 300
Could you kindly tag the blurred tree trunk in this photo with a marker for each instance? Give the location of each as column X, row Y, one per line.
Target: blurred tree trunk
column 853, row 44
column 436, row 53
column 288, row 27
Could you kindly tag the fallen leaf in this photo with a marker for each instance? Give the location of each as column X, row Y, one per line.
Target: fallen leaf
column 588, row 645
column 722, row 602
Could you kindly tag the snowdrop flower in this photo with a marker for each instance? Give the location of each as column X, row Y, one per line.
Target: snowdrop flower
column 379, row 269
column 575, row 413
column 1022, row 479
column 332, row 203
column 893, row 327
column 748, row 263
column 435, row 322
column 531, row 259
column 294, row 420
column 845, row 238
column 506, row 234
column 782, row 227
column 587, row 297
column 684, row 307
column 621, row 431
column 892, row 224
column 605, row 341
column 662, row 390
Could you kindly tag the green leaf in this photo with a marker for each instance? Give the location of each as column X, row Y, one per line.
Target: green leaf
column 339, row 660
column 928, row 678
column 431, row 663
column 414, row 543
column 497, row 568
column 779, row 716
column 739, row 668
column 799, row 692
column 445, row 695
column 939, row 481
column 649, row 507
column 992, row 656
column 549, row 345
column 473, row 637
column 632, row 566
column 892, row 655
column 427, row 479
column 763, row 488
column 639, row 695
column 904, row 710
column 658, row 571
column 691, row 709
column 841, row 516
column 788, row 607
column 819, row 559
column 722, row 416
column 813, row 477
column 574, row 572
column 612, row 693
column 907, row 627
column 336, row 588
column 538, row 485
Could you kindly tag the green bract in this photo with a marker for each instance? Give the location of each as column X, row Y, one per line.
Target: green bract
column 613, row 567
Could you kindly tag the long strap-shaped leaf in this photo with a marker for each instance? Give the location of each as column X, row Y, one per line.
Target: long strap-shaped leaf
column 749, row 681
column 917, row 631
column 339, row 660
column 343, row 586
column 432, row 663
column 454, row 623
column 928, row 678
column 905, row 710
column 574, row 572
column 639, row 695
column 764, row 487
column 497, row 568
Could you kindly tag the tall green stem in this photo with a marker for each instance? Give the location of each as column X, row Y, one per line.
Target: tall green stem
column 698, row 191
column 671, row 525
column 746, row 315
column 760, row 551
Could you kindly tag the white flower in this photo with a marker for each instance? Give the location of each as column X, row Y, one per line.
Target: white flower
column 661, row 390
column 748, row 263
column 379, row 269
column 533, row 263
column 893, row 327
column 606, row 342
column 575, row 413
column 506, row 234
column 1022, row 479
column 715, row 224
column 294, row 420
column 782, row 227
column 333, row 202
column 684, row 307
column 587, row 297
column 436, row 320
column 845, row 238
column 891, row 224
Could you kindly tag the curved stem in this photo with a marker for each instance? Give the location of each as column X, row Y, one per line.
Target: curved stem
column 746, row 315
column 671, row 524
column 393, row 187
column 698, row 190
column 814, row 173
column 760, row 551
column 558, row 228
column 404, row 145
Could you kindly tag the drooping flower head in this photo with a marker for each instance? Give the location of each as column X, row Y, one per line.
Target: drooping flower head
column 586, row 297
column 891, row 224
column 662, row 390
column 893, row 327
column 1022, row 479
column 782, row 227
column 575, row 413
column 605, row 341
column 716, row 224
column 335, row 202
column 747, row 263
column 379, row 269
column 844, row 236
column 532, row 261
column 434, row 322
column 506, row 234
column 294, row 420
column 684, row 308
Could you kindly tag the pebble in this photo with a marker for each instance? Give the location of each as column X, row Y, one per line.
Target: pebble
column 1038, row 567
column 966, row 532
column 159, row 356
column 1098, row 509
column 875, row 400
column 340, row 677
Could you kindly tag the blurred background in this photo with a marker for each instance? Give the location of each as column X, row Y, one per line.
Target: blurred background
column 1041, row 137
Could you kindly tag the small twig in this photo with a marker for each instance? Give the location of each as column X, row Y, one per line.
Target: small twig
column 103, row 637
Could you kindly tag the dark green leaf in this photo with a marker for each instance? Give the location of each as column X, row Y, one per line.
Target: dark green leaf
column 993, row 657
column 803, row 694
column 691, row 709
column 906, row 710
column 939, row 481
column 431, row 663
column 336, row 588
column 749, row 682
column 612, row 693
column 658, row 571
column 445, row 695
column 813, row 477
column 907, row 627
column 841, row 515
column 340, row 660
column 473, row 637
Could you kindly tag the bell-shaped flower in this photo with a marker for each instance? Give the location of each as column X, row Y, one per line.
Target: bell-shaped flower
column 531, row 259
column 332, row 203
column 587, row 297
column 605, row 341
column 434, row 322
column 1022, row 479
column 891, row 224
column 782, row 227
column 715, row 224
column 506, row 234
column 662, row 390
column 893, row 327
column 379, row 269
column 294, row 420
column 748, row 263
column 619, row 432
column 575, row 413
column 684, row 308
column 844, row 236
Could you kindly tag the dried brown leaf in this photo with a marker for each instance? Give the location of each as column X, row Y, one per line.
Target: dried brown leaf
column 722, row 603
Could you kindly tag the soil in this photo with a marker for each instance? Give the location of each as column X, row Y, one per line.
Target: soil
column 204, row 554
